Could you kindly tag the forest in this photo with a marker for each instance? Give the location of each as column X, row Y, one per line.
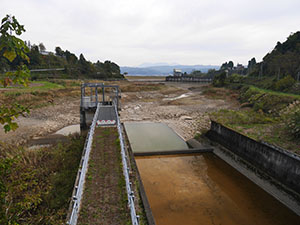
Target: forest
column 278, row 71
column 74, row 67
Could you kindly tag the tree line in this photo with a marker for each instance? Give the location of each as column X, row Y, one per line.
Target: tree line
column 75, row 67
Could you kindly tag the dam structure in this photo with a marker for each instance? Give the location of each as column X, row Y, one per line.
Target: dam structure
column 179, row 182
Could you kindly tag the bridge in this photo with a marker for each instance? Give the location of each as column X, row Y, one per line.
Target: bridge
column 188, row 79
column 101, row 103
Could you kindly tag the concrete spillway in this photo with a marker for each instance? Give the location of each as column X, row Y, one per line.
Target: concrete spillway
column 201, row 188
column 153, row 137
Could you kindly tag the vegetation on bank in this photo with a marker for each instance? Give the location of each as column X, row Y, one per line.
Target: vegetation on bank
column 269, row 93
column 39, row 94
column 264, row 115
column 36, row 185
column 278, row 71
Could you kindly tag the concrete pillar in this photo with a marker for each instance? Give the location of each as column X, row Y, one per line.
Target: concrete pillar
column 83, row 125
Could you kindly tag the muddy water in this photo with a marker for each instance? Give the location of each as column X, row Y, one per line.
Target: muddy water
column 203, row 189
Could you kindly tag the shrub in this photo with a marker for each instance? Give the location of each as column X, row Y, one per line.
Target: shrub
column 36, row 186
column 284, row 83
column 267, row 101
column 219, row 80
column 235, row 78
column 294, row 124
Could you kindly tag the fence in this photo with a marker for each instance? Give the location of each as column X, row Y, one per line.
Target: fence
column 79, row 183
column 130, row 194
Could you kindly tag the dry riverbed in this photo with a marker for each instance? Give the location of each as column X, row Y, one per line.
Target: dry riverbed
column 182, row 107
column 43, row 121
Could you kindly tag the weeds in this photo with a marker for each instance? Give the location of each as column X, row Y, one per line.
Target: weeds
column 294, row 124
column 266, row 115
column 35, row 186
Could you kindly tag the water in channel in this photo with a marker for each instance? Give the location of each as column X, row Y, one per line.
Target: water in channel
column 203, row 189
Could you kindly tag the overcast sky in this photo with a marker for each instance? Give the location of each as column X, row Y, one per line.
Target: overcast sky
column 132, row 32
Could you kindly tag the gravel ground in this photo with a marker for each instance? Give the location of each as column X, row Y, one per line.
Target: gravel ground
column 186, row 115
column 43, row 121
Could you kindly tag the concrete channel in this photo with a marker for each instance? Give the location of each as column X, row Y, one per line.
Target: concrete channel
column 198, row 188
column 183, row 185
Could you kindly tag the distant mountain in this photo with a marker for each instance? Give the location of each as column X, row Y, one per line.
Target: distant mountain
column 157, row 64
column 163, row 70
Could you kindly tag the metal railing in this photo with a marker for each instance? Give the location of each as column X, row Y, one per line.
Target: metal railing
column 130, row 193
column 78, row 190
column 79, row 183
column 95, row 96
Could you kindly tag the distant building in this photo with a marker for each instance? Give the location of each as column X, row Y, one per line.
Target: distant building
column 177, row 73
column 240, row 67
column 46, row 53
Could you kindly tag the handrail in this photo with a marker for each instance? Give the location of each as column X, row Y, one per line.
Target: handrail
column 79, row 183
column 82, row 172
column 130, row 193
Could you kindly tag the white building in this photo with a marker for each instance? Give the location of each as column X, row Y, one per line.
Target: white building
column 177, row 73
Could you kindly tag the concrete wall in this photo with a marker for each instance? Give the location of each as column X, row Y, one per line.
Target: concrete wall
column 278, row 163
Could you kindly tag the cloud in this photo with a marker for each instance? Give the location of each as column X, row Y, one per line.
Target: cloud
column 135, row 31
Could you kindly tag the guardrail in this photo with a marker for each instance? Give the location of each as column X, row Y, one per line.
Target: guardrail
column 79, row 183
column 130, row 194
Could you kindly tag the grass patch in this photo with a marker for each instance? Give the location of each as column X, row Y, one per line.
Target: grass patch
column 140, row 86
column 36, row 186
column 266, row 117
column 245, row 117
column 37, row 85
column 105, row 198
column 266, row 100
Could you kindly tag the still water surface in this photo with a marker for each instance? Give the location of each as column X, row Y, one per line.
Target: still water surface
column 203, row 189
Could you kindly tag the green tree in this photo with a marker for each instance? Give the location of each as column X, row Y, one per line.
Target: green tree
column 230, row 65
column 59, row 51
column 219, row 79
column 42, row 47
column 12, row 47
column 251, row 65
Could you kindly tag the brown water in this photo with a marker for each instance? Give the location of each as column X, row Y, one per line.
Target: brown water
column 203, row 189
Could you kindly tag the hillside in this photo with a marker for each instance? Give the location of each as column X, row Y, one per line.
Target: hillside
column 74, row 67
column 283, row 60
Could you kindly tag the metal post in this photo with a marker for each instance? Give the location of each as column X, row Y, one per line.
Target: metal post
column 82, row 93
column 103, row 95
column 117, row 93
column 91, row 94
column 96, row 94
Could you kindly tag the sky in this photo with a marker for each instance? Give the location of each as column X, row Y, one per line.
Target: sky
column 133, row 32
